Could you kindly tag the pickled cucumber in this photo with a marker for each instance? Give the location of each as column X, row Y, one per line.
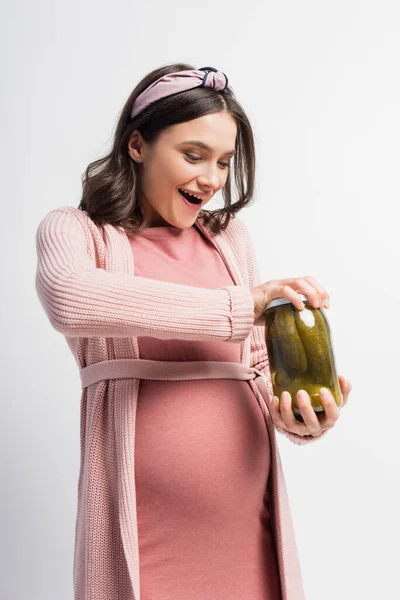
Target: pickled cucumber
column 273, row 350
column 282, row 378
column 285, row 336
column 314, row 392
column 312, row 389
column 303, row 382
column 316, row 343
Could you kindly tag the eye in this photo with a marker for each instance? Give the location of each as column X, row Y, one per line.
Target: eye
column 226, row 165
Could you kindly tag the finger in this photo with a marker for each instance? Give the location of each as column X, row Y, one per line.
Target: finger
column 275, row 413
column 302, row 285
column 322, row 292
column 332, row 411
column 346, row 388
column 310, row 291
column 345, row 384
column 343, row 390
column 288, row 418
column 286, row 291
column 308, row 413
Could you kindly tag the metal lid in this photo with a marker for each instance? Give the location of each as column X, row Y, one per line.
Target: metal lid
column 279, row 301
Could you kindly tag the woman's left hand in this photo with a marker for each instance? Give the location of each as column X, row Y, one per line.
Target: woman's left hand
column 314, row 423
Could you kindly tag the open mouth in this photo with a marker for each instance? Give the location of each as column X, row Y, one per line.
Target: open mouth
column 189, row 197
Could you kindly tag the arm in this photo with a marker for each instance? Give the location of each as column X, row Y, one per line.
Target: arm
column 83, row 300
column 258, row 347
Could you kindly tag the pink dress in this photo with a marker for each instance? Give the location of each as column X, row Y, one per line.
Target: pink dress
column 202, row 453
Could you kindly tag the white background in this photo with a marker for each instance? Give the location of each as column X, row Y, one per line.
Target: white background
column 320, row 83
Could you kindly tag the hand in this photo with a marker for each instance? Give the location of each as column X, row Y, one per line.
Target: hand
column 317, row 296
column 314, row 423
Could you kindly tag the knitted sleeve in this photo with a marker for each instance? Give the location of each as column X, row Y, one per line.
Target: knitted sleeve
column 258, row 347
column 82, row 300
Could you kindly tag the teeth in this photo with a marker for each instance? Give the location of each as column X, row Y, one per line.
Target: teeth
column 192, row 195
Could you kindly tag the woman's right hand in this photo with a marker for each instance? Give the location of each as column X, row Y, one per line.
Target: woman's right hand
column 316, row 294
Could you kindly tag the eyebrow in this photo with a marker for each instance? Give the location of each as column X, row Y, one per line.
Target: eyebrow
column 205, row 147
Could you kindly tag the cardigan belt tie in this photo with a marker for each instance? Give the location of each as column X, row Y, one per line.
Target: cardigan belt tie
column 169, row 370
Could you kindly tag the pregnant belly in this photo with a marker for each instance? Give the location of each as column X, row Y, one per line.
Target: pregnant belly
column 201, row 450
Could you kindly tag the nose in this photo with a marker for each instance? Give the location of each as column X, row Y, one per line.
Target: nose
column 209, row 178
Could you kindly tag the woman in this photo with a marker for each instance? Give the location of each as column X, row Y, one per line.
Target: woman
column 181, row 493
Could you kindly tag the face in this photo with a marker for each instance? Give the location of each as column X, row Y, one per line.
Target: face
column 174, row 162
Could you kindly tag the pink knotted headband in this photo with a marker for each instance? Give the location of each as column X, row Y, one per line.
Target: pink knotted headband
column 180, row 82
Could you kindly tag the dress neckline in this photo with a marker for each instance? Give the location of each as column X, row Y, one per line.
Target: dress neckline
column 164, row 230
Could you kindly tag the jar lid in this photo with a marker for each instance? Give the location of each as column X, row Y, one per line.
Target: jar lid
column 279, row 301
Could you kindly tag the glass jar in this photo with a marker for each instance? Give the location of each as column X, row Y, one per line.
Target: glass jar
column 300, row 352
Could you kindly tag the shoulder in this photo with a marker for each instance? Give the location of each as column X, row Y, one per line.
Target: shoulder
column 239, row 227
column 238, row 233
column 236, row 229
column 69, row 220
column 67, row 214
column 241, row 240
column 65, row 223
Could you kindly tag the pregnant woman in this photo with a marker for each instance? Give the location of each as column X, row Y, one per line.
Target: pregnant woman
column 181, row 494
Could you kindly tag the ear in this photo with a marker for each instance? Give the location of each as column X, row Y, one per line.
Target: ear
column 136, row 146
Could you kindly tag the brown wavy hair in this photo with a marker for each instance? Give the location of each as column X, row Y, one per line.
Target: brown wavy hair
column 110, row 184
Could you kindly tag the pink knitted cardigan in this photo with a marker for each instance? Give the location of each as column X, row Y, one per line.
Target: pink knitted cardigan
column 86, row 284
